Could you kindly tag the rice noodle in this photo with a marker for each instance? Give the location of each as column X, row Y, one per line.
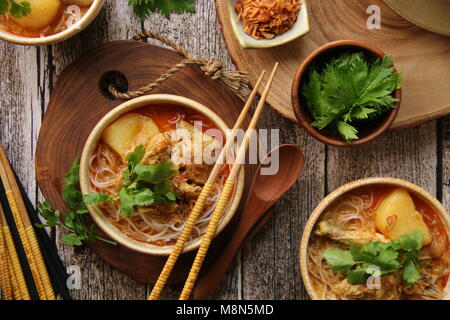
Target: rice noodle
column 148, row 226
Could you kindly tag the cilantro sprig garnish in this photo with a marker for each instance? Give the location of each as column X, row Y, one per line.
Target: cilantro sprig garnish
column 143, row 185
column 73, row 222
column 357, row 263
column 142, row 8
column 348, row 90
column 17, row 9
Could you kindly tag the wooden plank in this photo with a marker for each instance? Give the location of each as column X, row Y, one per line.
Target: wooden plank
column 270, row 261
column 408, row 154
column 444, row 157
column 98, row 280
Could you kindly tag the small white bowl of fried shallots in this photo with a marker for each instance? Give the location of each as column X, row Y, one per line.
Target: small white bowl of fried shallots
column 268, row 23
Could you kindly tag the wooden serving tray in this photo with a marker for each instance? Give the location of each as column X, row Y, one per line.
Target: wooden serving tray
column 78, row 103
column 422, row 56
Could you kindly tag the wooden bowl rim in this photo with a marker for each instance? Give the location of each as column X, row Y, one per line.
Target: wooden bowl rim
column 328, row 200
column 92, row 142
column 90, row 15
column 300, row 112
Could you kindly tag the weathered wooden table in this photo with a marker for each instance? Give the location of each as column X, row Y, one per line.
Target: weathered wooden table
column 267, row 268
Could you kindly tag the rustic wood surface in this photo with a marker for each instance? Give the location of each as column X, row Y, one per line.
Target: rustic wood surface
column 268, row 267
column 422, row 56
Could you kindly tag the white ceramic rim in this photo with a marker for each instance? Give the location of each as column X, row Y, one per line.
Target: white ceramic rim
column 95, row 137
column 90, row 15
column 300, row 28
column 325, row 203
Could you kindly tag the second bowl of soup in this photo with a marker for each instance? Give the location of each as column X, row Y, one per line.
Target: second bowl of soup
column 48, row 21
column 145, row 164
column 377, row 239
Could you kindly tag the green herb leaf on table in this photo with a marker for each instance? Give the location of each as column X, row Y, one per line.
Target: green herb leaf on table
column 17, row 9
column 359, row 262
column 73, row 221
column 348, row 90
column 143, row 8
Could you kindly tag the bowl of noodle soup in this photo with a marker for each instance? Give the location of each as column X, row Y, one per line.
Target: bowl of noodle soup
column 369, row 213
column 155, row 122
column 50, row 21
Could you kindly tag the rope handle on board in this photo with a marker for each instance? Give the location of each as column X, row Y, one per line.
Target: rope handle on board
column 213, row 68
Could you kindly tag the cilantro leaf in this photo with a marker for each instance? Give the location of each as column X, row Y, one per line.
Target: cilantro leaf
column 19, row 9
column 347, row 131
column 96, row 198
column 73, row 218
column 357, row 276
column 339, row 260
column 72, row 239
column 126, row 202
column 15, row 8
column 142, row 8
column 349, row 89
column 155, row 174
column 136, row 156
column 378, row 258
column 410, row 273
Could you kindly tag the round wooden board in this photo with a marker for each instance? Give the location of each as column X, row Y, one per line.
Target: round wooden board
column 77, row 104
column 422, row 56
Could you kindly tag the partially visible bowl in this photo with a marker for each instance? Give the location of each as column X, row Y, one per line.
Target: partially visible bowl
column 92, row 143
column 332, row 197
column 371, row 130
column 90, row 15
column 300, row 28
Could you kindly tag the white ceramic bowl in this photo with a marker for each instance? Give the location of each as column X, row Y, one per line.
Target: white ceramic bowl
column 92, row 143
column 61, row 36
column 329, row 200
column 300, row 28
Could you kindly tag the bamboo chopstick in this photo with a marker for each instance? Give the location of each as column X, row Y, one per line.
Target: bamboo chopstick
column 5, row 277
column 56, row 269
column 26, row 230
column 18, row 282
column 200, row 203
column 225, row 195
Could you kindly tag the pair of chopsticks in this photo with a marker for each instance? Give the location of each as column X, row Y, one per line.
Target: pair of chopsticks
column 223, row 200
column 24, row 273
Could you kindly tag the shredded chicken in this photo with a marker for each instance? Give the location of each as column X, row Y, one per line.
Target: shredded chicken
column 265, row 19
column 345, row 290
column 358, row 237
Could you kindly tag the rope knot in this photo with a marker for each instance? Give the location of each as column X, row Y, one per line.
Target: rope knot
column 211, row 67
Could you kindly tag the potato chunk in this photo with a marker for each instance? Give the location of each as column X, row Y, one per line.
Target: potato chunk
column 43, row 12
column 129, row 131
column 396, row 215
column 78, row 2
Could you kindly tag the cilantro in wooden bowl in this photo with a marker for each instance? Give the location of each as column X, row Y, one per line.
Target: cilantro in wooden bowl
column 346, row 93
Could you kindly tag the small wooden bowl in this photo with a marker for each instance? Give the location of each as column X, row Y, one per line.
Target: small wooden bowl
column 90, row 15
column 369, row 132
column 92, row 143
column 332, row 197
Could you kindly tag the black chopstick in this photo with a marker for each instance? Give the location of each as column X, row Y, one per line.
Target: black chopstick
column 56, row 268
column 18, row 244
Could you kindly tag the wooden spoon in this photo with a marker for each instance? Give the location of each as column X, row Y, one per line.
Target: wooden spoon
column 264, row 192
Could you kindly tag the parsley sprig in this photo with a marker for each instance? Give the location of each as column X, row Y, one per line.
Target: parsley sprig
column 357, row 262
column 73, row 222
column 348, row 90
column 142, row 8
column 17, row 9
column 143, row 185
